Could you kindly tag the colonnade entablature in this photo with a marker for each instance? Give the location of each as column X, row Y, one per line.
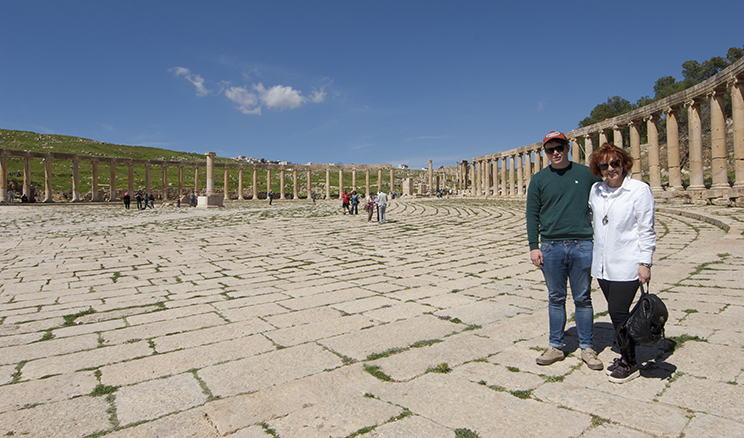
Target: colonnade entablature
column 209, row 164
column 691, row 175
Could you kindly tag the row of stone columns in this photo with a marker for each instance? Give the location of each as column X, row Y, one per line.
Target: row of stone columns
column 210, row 166
column 487, row 176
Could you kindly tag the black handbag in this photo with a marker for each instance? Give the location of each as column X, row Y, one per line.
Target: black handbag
column 645, row 324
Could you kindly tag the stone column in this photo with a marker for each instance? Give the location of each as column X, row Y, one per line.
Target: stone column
column 545, row 159
column 520, row 174
column 602, row 137
column 94, row 181
column 474, row 179
column 210, row 172
column 4, row 177
column 240, row 184
column 294, row 184
column 27, row 175
column 431, row 176
column 695, row 135
column 281, row 184
column 654, row 170
column 353, row 179
column 76, row 179
column 379, row 180
column 164, row 171
column 196, row 180
column 512, row 165
column 737, row 104
column 719, row 168
column 328, row 184
column 180, row 181
column 368, row 188
column 340, row 183
column 576, row 152
column 495, row 173
column 528, row 171
column 588, row 148
column 148, row 188
column 226, row 184
column 503, row 175
column 635, row 150
column 672, row 132
column 392, row 180
column 112, row 187
column 130, row 175
column 255, row 184
column 309, row 184
column 268, row 181
column 48, row 178
column 617, row 136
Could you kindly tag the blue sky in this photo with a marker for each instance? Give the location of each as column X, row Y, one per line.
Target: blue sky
column 340, row 81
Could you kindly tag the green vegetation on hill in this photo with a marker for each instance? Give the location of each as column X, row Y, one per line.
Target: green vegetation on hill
column 62, row 169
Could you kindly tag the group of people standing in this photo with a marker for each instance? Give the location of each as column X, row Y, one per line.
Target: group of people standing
column 590, row 221
column 143, row 200
column 350, row 204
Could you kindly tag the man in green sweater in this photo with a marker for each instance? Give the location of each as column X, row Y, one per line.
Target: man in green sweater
column 559, row 231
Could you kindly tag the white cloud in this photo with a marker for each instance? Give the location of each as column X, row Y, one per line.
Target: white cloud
column 251, row 100
column 247, row 101
column 195, row 80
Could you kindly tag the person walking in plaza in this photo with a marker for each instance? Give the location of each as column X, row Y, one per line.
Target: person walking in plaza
column 381, row 205
column 624, row 243
column 138, row 198
column 559, row 232
column 127, row 200
column 192, row 199
column 270, row 196
column 354, row 203
column 369, row 206
column 345, row 202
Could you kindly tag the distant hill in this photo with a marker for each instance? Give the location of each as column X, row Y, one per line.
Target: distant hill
column 32, row 141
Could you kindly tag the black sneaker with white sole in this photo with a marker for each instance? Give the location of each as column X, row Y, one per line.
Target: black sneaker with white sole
column 624, row 373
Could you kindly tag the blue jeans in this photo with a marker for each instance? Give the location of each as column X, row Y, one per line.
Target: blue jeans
column 569, row 260
column 381, row 212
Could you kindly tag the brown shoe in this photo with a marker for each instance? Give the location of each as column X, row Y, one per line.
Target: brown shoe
column 550, row 356
column 589, row 356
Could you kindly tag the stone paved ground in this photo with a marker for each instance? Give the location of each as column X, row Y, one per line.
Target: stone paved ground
column 296, row 321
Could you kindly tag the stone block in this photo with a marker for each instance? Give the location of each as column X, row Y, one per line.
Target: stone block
column 153, row 399
column 77, row 417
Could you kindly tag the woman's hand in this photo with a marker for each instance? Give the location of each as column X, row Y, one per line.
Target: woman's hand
column 644, row 274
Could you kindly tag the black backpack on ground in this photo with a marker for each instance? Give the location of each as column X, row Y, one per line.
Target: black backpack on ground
column 645, row 324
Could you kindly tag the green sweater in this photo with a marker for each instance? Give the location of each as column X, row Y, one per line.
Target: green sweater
column 558, row 204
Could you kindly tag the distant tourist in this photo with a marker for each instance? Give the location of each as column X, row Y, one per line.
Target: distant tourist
column 271, row 197
column 138, row 198
column 354, row 203
column 369, row 206
column 152, row 201
column 127, row 200
column 11, row 196
column 345, row 202
column 381, row 205
column 313, row 198
column 192, row 199
column 624, row 243
column 558, row 215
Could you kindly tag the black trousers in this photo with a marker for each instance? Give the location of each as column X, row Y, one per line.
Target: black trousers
column 619, row 295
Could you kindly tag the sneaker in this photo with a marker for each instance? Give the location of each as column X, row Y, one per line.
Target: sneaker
column 589, row 356
column 615, row 363
column 550, row 356
column 624, row 373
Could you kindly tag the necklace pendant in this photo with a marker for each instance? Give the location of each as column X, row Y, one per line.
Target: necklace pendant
column 605, row 220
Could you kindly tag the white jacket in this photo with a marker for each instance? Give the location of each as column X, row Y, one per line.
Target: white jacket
column 628, row 237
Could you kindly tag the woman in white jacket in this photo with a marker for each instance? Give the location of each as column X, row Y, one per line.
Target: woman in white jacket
column 624, row 242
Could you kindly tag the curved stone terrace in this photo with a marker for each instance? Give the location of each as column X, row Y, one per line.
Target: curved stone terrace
column 293, row 320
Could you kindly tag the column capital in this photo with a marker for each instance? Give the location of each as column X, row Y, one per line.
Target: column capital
column 690, row 103
column 670, row 110
column 650, row 117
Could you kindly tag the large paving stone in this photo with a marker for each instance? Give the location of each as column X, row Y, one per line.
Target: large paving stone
column 153, row 399
column 76, row 417
column 210, row 335
column 264, row 370
column 706, row 396
column 711, row 426
column 335, row 418
column 398, row 334
column 455, row 404
column 711, row 361
column 410, row 427
column 653, row 418
column 52, row 347
column 57, row 388
column 497, row 375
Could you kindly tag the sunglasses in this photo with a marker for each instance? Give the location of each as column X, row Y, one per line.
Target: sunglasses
column 615, row 164
column 558, row 148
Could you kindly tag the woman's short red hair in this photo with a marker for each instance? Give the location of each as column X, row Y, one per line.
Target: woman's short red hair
column 606, row 153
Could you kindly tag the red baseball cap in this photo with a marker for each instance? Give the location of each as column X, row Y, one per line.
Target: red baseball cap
column 555, row 135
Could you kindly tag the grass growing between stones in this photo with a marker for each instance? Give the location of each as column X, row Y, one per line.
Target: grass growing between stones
column 442, row 368
column 268, row 430
column 465, row 433
column 70, row 319
column 675, row 342
column 375, row 371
